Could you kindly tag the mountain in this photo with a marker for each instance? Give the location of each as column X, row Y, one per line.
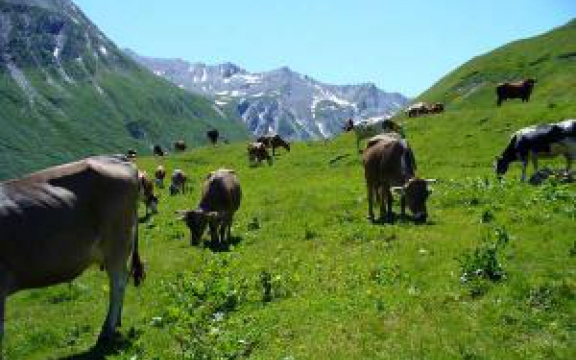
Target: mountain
column 282, row 101
column 67, row 91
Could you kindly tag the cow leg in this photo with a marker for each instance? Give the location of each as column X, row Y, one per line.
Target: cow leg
column 387, row 196
column 402, row 207
column 214, row 233
column 118, row 279
column 2, row 307
column 524, row 166
column 568, row 164
column 370, row 203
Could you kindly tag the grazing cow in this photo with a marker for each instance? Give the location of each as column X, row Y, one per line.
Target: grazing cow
column 274, row 141
column 533, row 142
column 131, row 153
column 158, row 151
column 389, row 165
column 178, row 184
column 257, row 152
column 213, row 135
column 57, row 222
column 436, row 108
column 366, row 130
column 180, row 145
column 420, row 108
column 515, row 90
column 221, row 196
column 348, row 125
column 159, row 176
column 147, row 193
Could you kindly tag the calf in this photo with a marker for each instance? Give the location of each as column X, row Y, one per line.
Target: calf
column 389, row 165
column 257, row 152
column 158, row 151
column 540, row 141
column 515, row 90
column 212, row 136
column 147, row 193
column 57, row 222
column 221, row 196
column 159, row 176
column 178, row 184
column 180, row 145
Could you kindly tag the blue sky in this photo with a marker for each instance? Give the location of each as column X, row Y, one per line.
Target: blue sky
column 400, row 45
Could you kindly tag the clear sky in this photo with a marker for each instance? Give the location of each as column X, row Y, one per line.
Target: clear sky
column 400, row 45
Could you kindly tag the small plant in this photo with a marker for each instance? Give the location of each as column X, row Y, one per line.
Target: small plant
column 483, row 262
column 266, row 282
column 254, row 224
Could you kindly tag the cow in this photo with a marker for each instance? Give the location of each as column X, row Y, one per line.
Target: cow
column 420, row 108
column 57, row 222
column 257, row 152
column 221, row 196
column 178, row 184
column 158, row 151
column 213, row 135
column 348, row 125
column 436, row 108
column 534, row 142
column 147, row 193
column 273, row 142
column 390, row 166
column 366, row 130
column 159, row 176
column 515, row 90
column 131, row 153
column 180, row 145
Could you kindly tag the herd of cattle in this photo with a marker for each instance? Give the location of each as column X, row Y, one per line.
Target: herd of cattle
column 57, row 222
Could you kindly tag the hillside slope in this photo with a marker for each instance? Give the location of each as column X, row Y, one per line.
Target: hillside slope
column 67, row 91
column 473, row 130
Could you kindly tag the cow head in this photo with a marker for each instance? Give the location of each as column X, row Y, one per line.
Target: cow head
column 415, row 193
column 501, row 166
column 197, row 220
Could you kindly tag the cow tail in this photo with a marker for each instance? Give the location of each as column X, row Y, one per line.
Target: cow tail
column 137, row 267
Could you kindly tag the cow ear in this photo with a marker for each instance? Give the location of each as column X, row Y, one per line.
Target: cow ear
column 398, row 189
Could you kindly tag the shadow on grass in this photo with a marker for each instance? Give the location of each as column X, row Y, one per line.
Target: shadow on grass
column 104, row 349
column 223, row 247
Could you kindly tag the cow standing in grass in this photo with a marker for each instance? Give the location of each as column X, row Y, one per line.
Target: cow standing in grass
column 213, row 136
column 541, row 141
column 179, row 181
column 390, row 166
column 273, row 142
column 180, row 145
column 257, row 152
column 515, row 90
column 221, row 196
column 57, row 222
column 159, row 176
column 147, row 193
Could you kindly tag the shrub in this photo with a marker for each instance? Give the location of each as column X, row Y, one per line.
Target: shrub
column 482, row 262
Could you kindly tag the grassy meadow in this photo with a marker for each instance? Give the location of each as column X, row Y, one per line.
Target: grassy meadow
column 491, row 276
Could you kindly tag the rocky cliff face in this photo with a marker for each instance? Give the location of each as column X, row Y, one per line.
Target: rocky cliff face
column 279, row 101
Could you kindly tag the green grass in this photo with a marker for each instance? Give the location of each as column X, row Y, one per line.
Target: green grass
column 340, row 287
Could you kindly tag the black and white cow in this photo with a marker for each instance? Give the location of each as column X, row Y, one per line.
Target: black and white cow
column 540, row 141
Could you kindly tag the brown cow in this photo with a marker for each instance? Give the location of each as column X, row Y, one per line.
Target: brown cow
column 180, row 145
column 159, row 176
column 221, row 196
column 57, row 222
column 436, row 108
column 418, row 109
column 274, row 141
column 147, row 193
column 178, row 184
column 515, row 90
column 389, row 164
column 257, row 152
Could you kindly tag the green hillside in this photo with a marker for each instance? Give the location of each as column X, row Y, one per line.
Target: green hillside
column 66, row 91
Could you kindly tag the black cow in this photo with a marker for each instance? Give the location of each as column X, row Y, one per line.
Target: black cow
column 158, row 151
column 213, row 136
column 547, row 140
column 515, row 90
